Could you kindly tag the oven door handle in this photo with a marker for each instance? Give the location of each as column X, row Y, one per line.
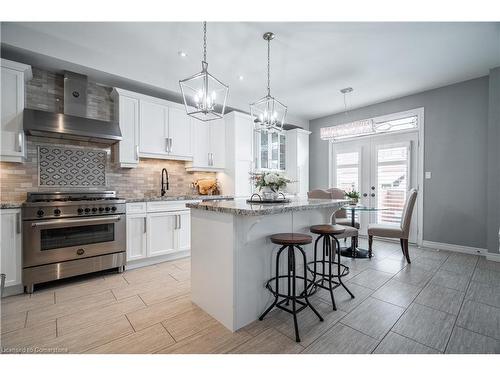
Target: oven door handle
column 62, row 223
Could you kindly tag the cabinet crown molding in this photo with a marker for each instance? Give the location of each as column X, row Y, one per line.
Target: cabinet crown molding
column 14, row 65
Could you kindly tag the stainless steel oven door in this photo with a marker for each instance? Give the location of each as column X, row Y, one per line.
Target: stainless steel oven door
column 57, row 240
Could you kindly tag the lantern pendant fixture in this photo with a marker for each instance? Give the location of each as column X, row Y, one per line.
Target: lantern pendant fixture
column 268, row 113
column 204, row 95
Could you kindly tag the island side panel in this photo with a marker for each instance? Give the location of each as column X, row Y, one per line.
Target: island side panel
column 212, row 259
column 255, row 257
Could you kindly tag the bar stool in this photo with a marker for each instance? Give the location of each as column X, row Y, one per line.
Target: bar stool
column 329, row 234
column 291, row 241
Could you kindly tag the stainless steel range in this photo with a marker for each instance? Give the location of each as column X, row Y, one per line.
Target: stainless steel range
column 72, row 233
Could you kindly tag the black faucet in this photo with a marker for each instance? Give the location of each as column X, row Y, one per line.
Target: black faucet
column 164, row 182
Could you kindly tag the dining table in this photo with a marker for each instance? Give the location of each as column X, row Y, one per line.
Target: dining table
column 354, row 251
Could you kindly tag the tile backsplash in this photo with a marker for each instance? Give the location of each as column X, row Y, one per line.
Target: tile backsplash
column 45, row 91
column 71, row 167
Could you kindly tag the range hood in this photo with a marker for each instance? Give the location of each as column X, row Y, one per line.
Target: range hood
column 73, row 123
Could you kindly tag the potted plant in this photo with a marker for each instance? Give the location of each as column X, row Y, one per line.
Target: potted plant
column 353, row 196
column 269, row 183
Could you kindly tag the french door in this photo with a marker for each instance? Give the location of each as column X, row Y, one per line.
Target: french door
column 382, row 168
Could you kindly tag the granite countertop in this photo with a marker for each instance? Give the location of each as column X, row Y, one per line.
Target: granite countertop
column 241, row 207
column 7, row 205
column 180, row 198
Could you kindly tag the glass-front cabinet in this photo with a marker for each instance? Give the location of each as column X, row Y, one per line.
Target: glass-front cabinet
column 270, row 151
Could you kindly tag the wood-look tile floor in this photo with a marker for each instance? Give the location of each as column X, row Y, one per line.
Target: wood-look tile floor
column 441, row 303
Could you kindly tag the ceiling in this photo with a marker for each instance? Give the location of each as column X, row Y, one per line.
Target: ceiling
column 310, row 61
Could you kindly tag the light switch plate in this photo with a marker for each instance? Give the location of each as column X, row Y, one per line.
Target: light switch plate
column 428, row 175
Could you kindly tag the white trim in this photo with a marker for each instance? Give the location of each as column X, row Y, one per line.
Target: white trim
column 455, row 248
column 493, row 257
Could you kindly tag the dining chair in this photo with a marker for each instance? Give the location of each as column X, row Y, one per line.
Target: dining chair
column 349, row 231
column 341, row 215
column 393, row 231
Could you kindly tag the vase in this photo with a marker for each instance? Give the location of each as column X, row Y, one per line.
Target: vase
column 269, row 194
column 354, row 201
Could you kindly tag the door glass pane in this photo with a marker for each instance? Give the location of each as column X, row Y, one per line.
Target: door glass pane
column 264, row 150
column 347, row 171
column 282, row 152
column 392, row 183
column 274, row 150
column 76, row 236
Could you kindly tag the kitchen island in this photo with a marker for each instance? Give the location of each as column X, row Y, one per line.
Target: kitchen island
column 232, row 256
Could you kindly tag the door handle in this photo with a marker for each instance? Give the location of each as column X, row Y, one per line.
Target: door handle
column 137, row 152
column 18, row 223
column 145, row 225
column 20, row 142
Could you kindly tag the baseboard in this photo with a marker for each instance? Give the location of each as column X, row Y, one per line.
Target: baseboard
column 13, row 290
column 159, row 259
column 492, row 256
column 456, row 248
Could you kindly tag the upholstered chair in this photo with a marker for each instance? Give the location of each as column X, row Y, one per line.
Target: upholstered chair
column 401, row 231
column 341, row 215
column 349, row 231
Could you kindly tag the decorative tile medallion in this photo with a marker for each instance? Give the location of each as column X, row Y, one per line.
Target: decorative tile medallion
column 71, row 167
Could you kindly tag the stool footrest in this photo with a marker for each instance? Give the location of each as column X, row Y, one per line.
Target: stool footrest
column 344, row 270
column 286, row 296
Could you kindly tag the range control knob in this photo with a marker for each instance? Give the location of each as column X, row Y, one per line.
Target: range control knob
column 40, row 213
column 107, row 209
column 80, row 211
column 57, row 211
column 101, row 209
column 113, row 208
column 94, row 209
column 87, row 210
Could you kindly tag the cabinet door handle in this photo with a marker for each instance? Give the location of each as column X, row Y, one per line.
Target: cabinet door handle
column 137, row 152
column 180, row 222
column 166, row 146
column 145, row 225
column 20, row 142
column 18, row 222
column 171, row 141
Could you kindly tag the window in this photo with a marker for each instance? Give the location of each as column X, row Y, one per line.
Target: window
column 348, row 171
column 367, row 127
column 392, row 180
column 271, row 150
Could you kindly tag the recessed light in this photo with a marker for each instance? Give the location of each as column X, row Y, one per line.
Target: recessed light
column 182, row 54
column 241, row 78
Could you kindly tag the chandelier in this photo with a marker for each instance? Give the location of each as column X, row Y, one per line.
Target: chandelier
column 204, row 95
column 268, row 113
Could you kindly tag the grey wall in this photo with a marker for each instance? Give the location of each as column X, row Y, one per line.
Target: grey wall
column 493, row 187
column 456, row 130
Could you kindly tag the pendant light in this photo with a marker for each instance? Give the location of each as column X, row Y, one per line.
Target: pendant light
column 268, row 113
column 204, row 95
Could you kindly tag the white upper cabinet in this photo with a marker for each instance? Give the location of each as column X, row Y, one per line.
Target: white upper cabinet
column 152, row 128
column 127, row 113
column 12, row 105
column 209, row 146
column 179, row 132
column 239, row 152
column 297, row 161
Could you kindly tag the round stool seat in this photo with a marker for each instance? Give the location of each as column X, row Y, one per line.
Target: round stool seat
column 291, row 239
column 327, row 229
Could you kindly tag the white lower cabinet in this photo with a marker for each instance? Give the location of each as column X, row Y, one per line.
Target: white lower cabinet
column 136, row 237
column 161, row 233
column 11, row 246
column 156, row 229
